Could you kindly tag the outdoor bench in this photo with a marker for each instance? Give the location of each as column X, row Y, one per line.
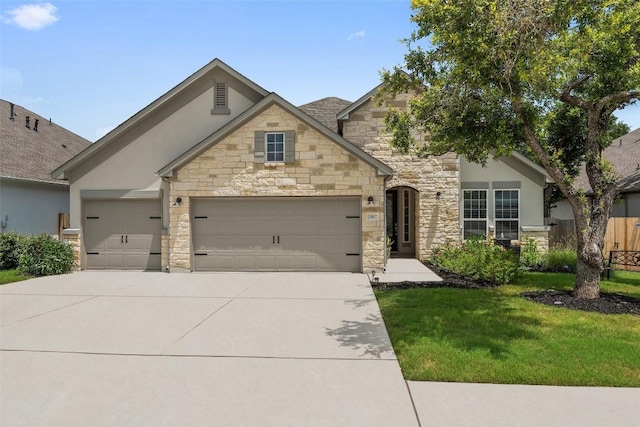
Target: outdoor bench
column 630, row 258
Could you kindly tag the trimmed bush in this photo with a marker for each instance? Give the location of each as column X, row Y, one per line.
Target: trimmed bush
column 43, row 255
column 479, row 259
column 561, row 259
column 9, row 250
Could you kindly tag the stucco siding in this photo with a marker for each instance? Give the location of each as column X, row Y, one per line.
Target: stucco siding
column 31, row 207
column 531, row 193
column 132, row 163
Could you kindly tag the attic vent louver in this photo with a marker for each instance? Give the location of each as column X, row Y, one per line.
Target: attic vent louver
column 26, row 123
column 221, row 95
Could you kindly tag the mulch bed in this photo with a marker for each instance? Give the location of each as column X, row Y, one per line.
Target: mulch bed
column 607, row 303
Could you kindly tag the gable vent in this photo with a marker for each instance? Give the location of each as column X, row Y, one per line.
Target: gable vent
column 221, row 95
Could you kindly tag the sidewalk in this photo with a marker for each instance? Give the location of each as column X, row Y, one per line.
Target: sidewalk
column 461, row 404
column 406, row 270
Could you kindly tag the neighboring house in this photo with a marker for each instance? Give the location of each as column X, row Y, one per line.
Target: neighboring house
column 220, row 174
column 30, row 148
column 624, row 154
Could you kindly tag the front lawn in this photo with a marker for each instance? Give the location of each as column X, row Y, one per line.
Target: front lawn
column 9, row 276
column 493, row 335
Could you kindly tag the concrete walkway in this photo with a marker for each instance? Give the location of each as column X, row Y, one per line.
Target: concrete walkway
column 275, row 349
column 406, row 270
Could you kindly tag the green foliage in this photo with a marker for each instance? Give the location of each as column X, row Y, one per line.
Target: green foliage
column 530, row 256
column 489, row 77
column 43, row 255
column 560, row 259
column 479, row 259
column 10, row 276
column 9, row 250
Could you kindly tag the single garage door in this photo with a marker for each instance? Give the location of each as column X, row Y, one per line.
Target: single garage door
column 276, row 234
column 122, row 234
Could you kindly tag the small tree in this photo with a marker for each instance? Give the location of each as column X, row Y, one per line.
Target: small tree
column 489, row 73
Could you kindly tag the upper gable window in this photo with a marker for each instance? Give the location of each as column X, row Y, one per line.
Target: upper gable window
column 220, row 98
column 275, row 147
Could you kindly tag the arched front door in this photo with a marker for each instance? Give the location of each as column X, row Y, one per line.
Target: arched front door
column 401, row 221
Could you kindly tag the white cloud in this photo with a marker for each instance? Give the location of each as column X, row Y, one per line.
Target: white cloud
column 100, row 132
column 32, row 17
column 359, row 35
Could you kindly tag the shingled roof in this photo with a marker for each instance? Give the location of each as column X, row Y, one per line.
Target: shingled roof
column 30, row 154
column 624, row 153
column 325, row 110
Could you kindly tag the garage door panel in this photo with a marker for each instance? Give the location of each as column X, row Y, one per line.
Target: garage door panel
column 297, row 234
column 122, row 234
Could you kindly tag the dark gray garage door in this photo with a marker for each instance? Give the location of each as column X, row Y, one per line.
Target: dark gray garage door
column 276, row 234
column 122, row 234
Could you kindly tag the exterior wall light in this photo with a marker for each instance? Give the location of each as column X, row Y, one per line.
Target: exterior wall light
column 370, row 200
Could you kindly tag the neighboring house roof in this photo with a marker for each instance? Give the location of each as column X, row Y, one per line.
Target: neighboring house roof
column 191, row 81
column 325, row 110
column 255, row 110
column 624, row 154
column 30, row 154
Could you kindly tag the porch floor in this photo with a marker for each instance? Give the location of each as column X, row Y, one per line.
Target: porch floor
column 406, row 270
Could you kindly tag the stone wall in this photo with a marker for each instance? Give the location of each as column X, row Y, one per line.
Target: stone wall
column 72, row 237
column 321, row 168
column 437, row 216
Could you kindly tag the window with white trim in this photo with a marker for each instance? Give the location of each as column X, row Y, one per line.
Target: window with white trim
column 474, row 216
column 507, row 214
column 275, row 142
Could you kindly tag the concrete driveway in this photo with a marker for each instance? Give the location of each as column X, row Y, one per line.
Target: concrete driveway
column 137, row 348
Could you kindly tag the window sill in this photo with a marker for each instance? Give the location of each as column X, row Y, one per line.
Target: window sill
column 273, row 164
column 220, row 111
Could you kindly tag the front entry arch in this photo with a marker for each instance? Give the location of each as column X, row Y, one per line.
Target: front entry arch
column 401, row 221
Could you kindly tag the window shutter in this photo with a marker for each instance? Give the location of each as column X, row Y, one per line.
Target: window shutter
column 259, row 146
column 289, row 146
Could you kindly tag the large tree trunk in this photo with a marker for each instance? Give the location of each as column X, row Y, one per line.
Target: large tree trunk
column 588, row 271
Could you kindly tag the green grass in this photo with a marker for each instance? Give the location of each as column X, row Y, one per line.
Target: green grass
column 10, row 276
column 495, row 336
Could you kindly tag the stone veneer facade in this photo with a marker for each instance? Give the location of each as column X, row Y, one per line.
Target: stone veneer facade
column 321, row 168
column 437, row 217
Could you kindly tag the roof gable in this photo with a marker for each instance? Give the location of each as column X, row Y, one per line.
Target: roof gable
column 29, row 153
column 191, row 82
column 211, row 140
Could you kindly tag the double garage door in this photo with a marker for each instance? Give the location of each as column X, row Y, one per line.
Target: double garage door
column 276, row 234
column 122, row 234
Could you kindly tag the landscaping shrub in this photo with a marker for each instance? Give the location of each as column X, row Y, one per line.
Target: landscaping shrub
column 43, row 255
column 530, row 256
column 9, row 250
column 478, row 259
column 560, row 259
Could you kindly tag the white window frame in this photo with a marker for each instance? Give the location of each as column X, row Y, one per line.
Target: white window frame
column 266, row 147
column 478, row 219
column 496, row 220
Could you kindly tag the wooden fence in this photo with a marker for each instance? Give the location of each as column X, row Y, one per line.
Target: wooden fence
column 623, row 234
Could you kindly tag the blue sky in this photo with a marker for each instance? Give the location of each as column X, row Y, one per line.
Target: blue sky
column 90, row 65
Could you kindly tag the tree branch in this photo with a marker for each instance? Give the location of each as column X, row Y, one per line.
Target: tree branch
column 566, row 96
column 614, row 100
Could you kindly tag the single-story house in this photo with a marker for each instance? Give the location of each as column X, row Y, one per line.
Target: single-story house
column 624, row 154
column 31, row 147
column 219, row 174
